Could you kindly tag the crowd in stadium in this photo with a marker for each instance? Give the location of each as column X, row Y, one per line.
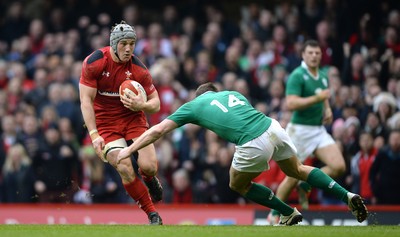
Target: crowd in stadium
column 250, row 47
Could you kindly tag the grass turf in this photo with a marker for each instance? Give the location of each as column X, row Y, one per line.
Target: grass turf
column 195, row 231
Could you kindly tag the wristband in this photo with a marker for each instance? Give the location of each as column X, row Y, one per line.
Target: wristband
column 93, row 131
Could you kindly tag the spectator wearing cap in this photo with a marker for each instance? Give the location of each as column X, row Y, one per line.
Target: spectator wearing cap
column 384, row 105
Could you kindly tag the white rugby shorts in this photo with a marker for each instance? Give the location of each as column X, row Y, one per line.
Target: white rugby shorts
column 308, row 138
column 254, row 155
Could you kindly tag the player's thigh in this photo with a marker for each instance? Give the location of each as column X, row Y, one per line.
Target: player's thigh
column 331, row 156
column 111, row 150
column 147, row 158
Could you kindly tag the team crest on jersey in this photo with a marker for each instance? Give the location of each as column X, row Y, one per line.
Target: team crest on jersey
column 128, row 75
column 306, row 77
column 325, row 82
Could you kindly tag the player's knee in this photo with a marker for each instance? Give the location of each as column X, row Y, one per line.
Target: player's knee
column 339, row 170
column 233, row 186
column 293, row 173
column 149, row 170
column 123, row 168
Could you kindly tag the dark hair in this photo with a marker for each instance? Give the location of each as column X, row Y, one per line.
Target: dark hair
column 311, row 43
column 205, row 87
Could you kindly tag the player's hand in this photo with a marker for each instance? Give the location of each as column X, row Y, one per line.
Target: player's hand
column 123, row 154
column 132, row 101
column 98, row 145
column 324, row 94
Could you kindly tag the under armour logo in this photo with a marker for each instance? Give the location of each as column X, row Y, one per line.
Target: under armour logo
column 107, row 74
column 128, row 74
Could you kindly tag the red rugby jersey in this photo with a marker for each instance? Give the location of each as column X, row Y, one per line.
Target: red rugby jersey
column 101, row 72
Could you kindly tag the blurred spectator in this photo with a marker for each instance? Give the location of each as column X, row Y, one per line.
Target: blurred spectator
column 361, row 165
column 384, row 175
column 378, row 130
column 15, row 24
column 36, row 35
column 310, row 15
column 56, row 168
column 18, row 176
column 37, row 97
column 231, row 64
column 30, row 136
column 353, row 69
column 223, row 194
column 3, row 74
column 182, row 190
column 8, row 132
column 155, row 45
column 385, row 106
column 170, row 22
column 100, row 183
column 276, row 95
column 205, row 71
column 329, row 48
column 263, row 27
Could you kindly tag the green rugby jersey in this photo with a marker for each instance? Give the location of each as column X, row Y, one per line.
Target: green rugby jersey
column 303, row 84
column 227, row 113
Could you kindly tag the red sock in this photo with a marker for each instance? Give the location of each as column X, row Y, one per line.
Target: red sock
column 138, row 191
column 144, row 176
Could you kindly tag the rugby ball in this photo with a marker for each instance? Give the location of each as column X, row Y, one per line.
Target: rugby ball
column 133, row 86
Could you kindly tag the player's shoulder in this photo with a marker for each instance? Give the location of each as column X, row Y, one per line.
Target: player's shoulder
column 96, row 60
column 299, row 70
column 297, row 73
column 137, row 62
column 96, row 56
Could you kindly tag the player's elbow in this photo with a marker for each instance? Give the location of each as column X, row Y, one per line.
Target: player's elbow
column 290, row 106
column 157, row 131
column 292, row 102
column 157, row 108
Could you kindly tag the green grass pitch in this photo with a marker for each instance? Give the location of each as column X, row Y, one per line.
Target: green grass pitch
column 195, row 231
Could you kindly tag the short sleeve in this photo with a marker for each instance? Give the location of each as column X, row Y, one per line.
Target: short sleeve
column 294, row 84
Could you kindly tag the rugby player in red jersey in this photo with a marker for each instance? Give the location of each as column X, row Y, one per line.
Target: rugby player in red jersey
column 112, row 120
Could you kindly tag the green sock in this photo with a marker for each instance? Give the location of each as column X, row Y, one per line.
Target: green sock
column 264, row 196
column 320, row 180
column 275, row 212
column 305, row 186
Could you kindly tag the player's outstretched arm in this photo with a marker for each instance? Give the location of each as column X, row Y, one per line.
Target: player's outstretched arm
column 148, row 137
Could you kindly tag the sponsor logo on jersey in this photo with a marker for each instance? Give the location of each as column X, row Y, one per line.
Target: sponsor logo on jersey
column 108, row 93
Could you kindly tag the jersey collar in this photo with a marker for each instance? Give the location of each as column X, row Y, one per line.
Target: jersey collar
column 304, row 65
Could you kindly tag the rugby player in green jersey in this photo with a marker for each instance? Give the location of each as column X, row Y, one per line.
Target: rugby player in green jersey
column 258, row 139
column 307, row 95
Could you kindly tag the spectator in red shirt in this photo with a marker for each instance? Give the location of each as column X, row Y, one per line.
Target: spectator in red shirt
column 360, row 167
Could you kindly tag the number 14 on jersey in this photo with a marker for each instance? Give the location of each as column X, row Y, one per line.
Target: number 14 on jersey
column 232, row 101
